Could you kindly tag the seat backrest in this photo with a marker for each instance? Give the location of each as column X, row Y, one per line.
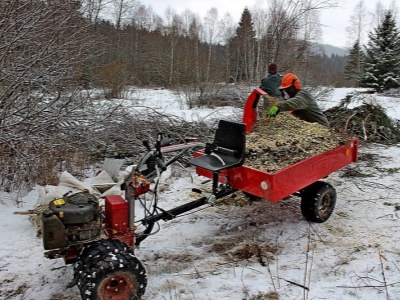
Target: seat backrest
column 231, row 135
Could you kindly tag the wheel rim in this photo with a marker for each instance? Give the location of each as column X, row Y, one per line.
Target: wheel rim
column 326, row 206
column 118, row 287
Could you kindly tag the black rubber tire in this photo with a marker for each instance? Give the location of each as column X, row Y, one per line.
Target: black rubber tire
column 96, row 249
column 318, row 202
column 118, row 276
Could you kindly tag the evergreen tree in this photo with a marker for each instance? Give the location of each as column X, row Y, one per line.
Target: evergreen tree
column 244, row 49
column 382, row 63
column 354, row 68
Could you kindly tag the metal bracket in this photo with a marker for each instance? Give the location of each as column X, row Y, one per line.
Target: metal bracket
column 211, row 199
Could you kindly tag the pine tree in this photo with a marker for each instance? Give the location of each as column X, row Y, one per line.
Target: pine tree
column 382, row 63
column 244, row 45
column 354, row 68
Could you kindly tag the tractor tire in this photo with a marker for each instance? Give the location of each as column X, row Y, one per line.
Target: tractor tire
column 318, row 201
column 119, row 276
column 96, row 249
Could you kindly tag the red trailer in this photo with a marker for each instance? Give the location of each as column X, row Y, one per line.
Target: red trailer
column 302, row 178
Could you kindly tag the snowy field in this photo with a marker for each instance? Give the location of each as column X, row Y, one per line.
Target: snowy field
column 235, row 253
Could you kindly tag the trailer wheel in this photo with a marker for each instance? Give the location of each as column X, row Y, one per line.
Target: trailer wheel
column 318, row 201
column 118, row 276
column 252, row 197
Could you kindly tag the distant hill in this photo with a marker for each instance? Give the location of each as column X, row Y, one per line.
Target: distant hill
column 329, row 50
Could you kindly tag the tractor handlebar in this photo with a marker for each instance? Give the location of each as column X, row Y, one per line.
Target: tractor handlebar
column 161, row 164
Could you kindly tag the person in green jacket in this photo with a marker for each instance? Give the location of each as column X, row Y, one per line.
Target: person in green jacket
column 271, row 83
column 301, row 102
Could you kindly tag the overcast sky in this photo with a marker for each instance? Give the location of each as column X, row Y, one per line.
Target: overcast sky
column 334, row 20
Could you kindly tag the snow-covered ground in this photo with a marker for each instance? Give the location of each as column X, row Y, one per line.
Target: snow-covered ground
column 235, row 253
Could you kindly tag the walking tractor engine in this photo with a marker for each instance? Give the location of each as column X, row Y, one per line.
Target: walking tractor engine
column 71, row 221
column 99, row 240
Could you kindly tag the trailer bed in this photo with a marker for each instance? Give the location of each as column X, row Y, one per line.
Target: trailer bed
column 283, row 183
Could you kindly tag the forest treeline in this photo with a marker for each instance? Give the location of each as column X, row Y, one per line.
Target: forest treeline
column 185, row 50
column 136, row 47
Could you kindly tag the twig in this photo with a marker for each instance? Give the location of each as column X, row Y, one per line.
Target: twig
column 58, row 268
column 347, row 122
column 397, row 267
column 265, row 264
column 383, row 275
column 308, row 265
column 364, row 130
column 255, row 270
column 296, row 284
column 315, row 230
column 357, row 186
column 387, row 215
column 376, row 183
column 277, row 260
column 366, row 286
column 245, row 288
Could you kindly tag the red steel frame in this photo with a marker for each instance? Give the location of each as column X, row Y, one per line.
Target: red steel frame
column 116, row 219
column 283, row 183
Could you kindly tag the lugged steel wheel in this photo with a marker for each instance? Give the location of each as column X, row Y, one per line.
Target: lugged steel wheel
column 318, row 201
column 118, row 276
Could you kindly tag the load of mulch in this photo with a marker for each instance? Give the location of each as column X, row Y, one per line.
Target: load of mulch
column 276, row 143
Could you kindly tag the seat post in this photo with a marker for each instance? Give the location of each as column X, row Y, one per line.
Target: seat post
column 215, row 182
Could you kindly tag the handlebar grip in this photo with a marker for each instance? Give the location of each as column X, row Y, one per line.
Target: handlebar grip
column 147, row 145
column 161, row 164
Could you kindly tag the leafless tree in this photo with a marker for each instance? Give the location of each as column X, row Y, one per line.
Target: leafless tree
column 260, row 27
column 394, row 9
column 193, row 32
column 144, row 18
column 225, row 34
column 44, row 55
column 309, row 33
column 359, row 21
column 290, row 28
column 93, row 8
column 380, row 11
column 174, row 30
column 210, row 23
column 122, row 9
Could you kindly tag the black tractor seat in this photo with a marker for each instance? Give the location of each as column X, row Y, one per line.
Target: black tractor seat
column 227, row 151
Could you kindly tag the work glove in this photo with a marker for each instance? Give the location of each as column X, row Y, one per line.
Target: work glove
column 273, row 111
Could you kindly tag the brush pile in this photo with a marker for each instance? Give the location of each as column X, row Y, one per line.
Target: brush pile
column 368, row 121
